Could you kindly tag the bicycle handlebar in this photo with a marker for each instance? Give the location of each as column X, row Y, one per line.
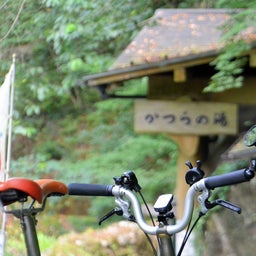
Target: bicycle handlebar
column 228, row 179
column 81, row 189
column 203, row 185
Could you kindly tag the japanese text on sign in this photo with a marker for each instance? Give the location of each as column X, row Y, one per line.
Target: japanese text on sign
column 185, row 117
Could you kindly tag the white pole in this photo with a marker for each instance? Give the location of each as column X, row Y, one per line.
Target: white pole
column 2, row 234
column 9, row 145
column 8, row 155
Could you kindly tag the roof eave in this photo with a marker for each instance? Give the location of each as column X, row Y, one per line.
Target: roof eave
column 138, row 71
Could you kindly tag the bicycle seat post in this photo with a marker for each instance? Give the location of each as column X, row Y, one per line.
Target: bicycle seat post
column 28, row 225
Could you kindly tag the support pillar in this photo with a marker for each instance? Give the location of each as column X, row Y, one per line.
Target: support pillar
column 188, row 151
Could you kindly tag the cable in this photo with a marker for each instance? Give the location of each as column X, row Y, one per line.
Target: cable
column 184, row 239
column 151, row 244
column 188, row 233
column 148, row 238
column 145, row 203
column 152, row 220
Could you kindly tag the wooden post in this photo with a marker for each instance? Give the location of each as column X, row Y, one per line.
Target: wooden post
column 188, row 151
column 179, row 75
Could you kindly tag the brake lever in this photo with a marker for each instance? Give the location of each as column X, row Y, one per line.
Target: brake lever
column 116, row 211
column 224, row 204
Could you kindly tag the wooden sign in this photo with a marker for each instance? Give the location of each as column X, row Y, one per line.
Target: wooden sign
column 199, row 118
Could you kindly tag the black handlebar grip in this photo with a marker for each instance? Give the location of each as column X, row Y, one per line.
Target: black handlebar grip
column 82, row 189
column 230, row 178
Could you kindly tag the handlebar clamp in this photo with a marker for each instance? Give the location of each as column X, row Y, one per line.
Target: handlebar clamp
column 250, row 172
column 194, row 174
column 128, row 180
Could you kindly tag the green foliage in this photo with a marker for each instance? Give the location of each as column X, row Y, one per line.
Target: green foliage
column 196, row 4
column 230, row 67
column 16, row 244
column 95, row 147
column 230, row 62
column 234, row 4
column 134, row 87
column 46, row 242
column 57, row 42
column 152, row 159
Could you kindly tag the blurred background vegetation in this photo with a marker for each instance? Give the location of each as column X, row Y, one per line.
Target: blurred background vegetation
column 67, row 132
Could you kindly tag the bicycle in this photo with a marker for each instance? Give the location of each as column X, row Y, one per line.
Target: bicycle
column 31, row 196
column 126, row 186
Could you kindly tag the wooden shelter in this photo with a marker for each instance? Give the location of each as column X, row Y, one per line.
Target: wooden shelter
column 174, row 51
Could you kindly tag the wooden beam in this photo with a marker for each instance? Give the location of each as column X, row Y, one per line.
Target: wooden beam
column 137, row 72
column 179, row 75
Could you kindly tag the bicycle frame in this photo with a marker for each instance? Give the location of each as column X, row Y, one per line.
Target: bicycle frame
column 166, row 245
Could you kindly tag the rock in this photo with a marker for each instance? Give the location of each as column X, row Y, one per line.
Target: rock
column 122, row 238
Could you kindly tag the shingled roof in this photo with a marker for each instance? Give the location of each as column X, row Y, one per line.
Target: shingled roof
column 171, row 37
